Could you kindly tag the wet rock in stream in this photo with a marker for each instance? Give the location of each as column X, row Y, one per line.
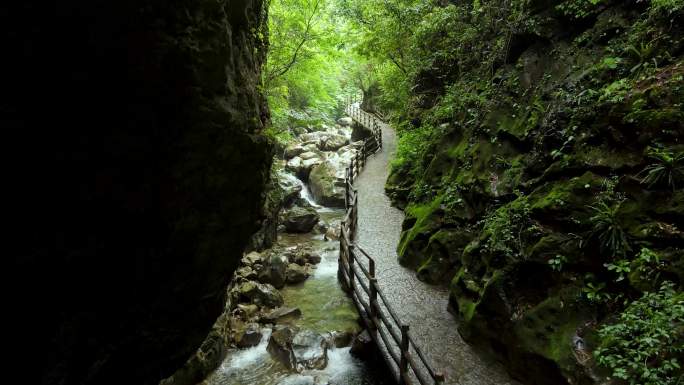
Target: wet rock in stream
column 281, row 314
column 246, row 272
column 261, row 294
column 363, row 346
column 247, row 311
column 298, row 349
column 274, row 270
column 296, row 273
column 302, row 167
column 293, row 150
column 334, row 142
column 299, row 219
column 303, row 255
column 333, row 231
column 253, row 258
column 247, row 336
column 345, row 121
column 341, row 339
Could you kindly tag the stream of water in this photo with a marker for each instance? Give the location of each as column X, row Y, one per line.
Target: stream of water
column 325, row 309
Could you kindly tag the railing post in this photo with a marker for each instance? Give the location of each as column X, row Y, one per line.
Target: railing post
column 350, row 258
column 341, row 275
column 355, row 210
column 403, row 364
column 365, row 151
column 346, row 188
column 373, row 296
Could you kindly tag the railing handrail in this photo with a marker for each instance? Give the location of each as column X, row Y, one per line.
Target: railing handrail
column 349, row 272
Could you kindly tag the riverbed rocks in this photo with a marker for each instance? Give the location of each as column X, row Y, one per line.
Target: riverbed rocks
column 362, row 346
column 302, row 168
column 303, row 256
column 247, row 311
column 298, row 349
column 326, row 182
column 345, row 121
column 310, row 349
column 341, row 339
column 274, row 270
column 280, row 346
column 299, row 219
column 296, row 273
column 261, row 294
column 248, row 335
column 246, row 273
column 334, row 142
column 333, row 231
column 281, row 315
column 253, row 258
column 293, row 150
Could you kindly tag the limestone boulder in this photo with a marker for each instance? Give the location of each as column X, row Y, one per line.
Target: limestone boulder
column 281, row 315
column 293, row 150
column 299, row 219
column 247, row 335
column 333, row 142
column 345, row 121
column 363, row 346
column 260, row 294
column 304, row 255
column 273, row 272
column 326, row 183
column 296, row 273
column 298, row 349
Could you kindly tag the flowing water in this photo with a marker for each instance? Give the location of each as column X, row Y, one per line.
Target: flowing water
column 325, row 309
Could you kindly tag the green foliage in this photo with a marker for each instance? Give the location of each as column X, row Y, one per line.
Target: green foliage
column 645, row 345
column 616, row 91
column 508, row 227
column 667, row 6
column 607, row 227
column 557, row 262
column 620, row 267
column 606, row 220
column 595, row 293
column 412, row 143
column 641, row 54
column 579, row 8
column 648, row 264
column 666, row 169
column 305, row 74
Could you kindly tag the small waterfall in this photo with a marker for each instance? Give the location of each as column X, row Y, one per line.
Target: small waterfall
column 305, row 192
column 306, row 195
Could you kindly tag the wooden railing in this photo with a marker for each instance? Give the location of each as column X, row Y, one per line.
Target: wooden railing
column 357, row 274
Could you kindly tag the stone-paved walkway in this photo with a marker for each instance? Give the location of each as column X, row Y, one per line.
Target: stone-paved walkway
column 422, row 306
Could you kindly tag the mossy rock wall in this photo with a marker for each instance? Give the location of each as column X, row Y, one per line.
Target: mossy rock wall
column 501, row 204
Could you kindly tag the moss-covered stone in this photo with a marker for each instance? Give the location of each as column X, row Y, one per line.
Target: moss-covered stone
column 420, row 222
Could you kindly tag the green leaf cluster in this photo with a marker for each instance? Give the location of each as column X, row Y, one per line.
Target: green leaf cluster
column 645, row 345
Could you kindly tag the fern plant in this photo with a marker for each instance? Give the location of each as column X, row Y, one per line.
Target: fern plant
column 608, row 229
column 667, row 169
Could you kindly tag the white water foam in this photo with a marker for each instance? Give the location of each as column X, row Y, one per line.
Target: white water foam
column 327, row 268
column 246, row 358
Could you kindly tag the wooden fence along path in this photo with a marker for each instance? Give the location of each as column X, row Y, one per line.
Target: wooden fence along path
column 357, row 274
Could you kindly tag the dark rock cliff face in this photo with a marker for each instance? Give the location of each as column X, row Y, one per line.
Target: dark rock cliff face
column 138, row 181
